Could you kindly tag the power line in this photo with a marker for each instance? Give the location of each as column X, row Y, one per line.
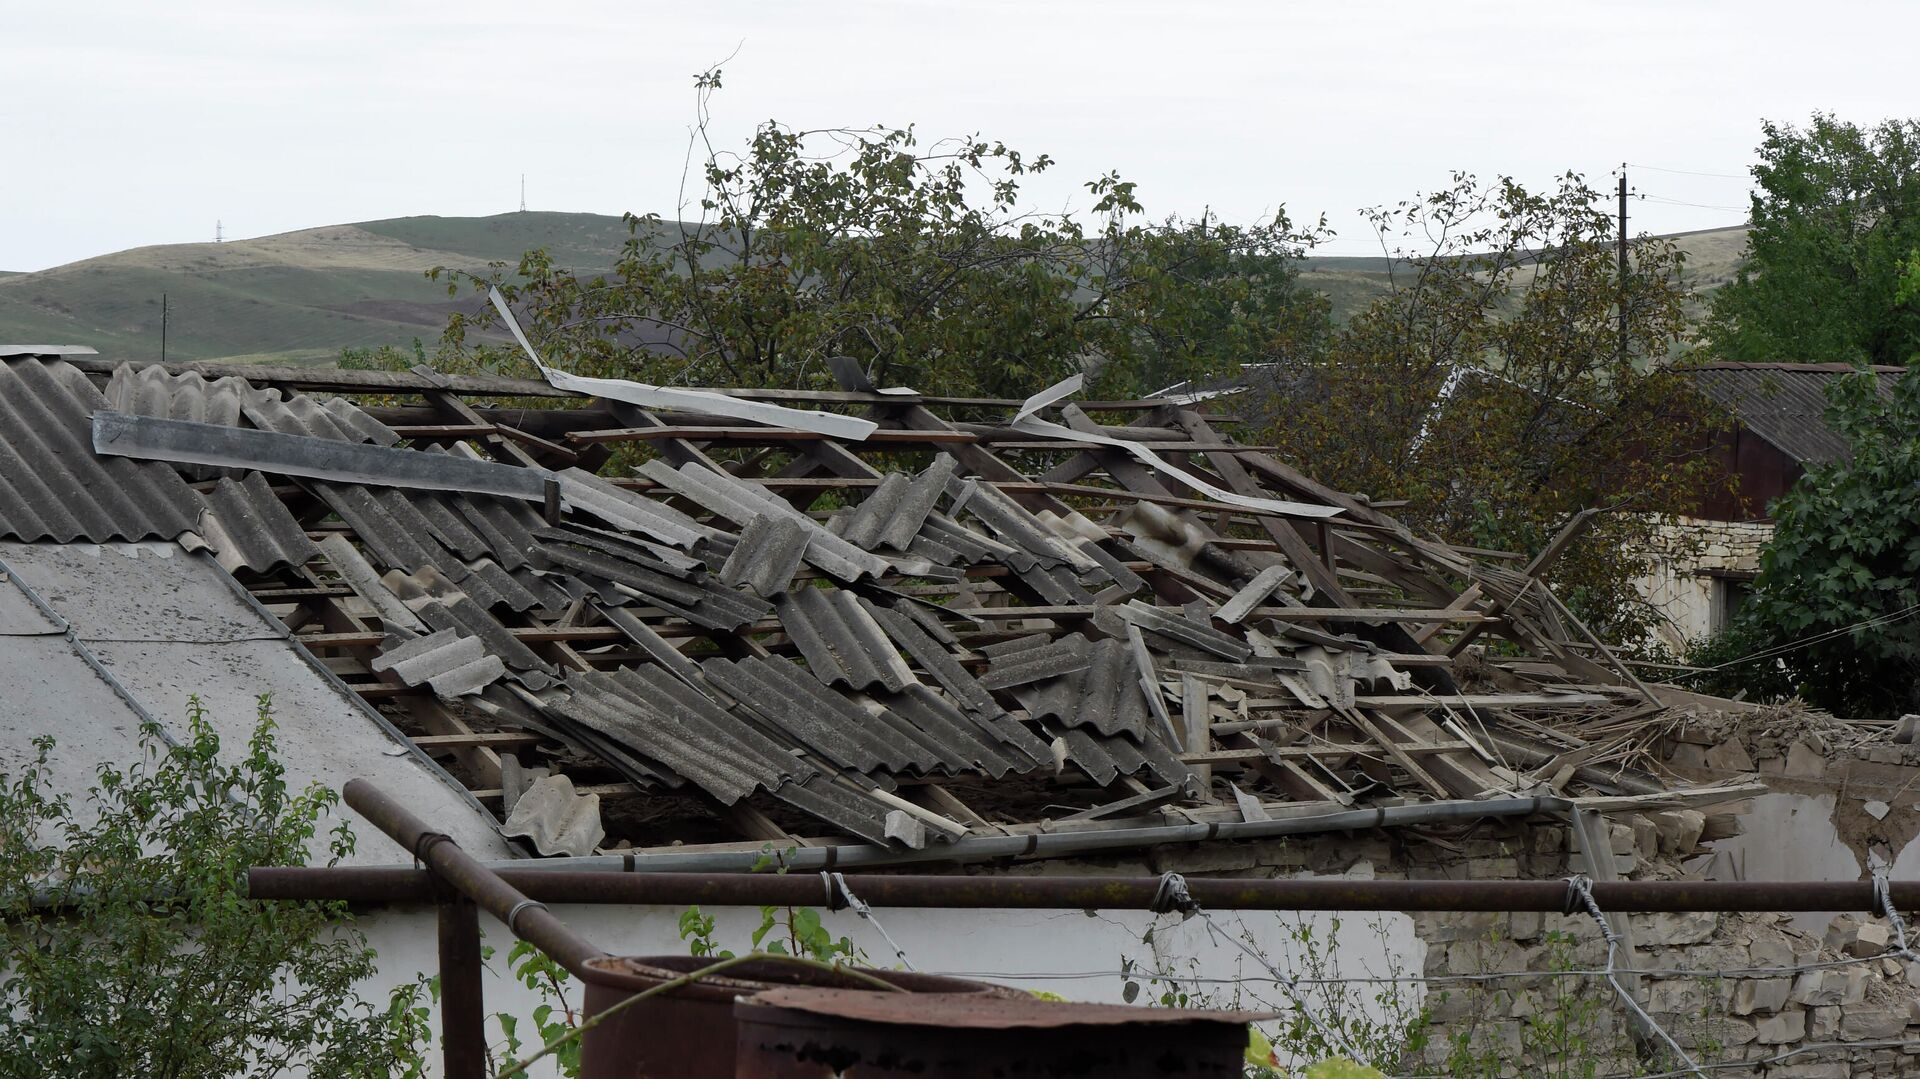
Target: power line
column 1697, row 205
column 1690, row 172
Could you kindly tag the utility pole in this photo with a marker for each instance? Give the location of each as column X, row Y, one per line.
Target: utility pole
column 1622, row 239
column 163, row 327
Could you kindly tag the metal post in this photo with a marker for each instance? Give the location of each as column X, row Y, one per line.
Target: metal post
column 463, row 1034
column 1622, row 241
column 524, row 918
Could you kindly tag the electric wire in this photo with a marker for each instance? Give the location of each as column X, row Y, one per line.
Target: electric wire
column 1689, row 172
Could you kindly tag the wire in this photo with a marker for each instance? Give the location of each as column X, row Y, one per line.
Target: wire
column 1781, row 649
column 1689, row 172
column 1697, row 205
column 1580, row 887
column 840, row 896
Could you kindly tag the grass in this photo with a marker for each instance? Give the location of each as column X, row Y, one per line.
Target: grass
column 300, row 297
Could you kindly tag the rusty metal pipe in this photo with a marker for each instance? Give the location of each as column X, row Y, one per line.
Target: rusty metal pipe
column 525, row 918
column 376, row 886
column 463, row 1044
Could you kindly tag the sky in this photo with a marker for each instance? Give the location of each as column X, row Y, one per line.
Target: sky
column 128, row 122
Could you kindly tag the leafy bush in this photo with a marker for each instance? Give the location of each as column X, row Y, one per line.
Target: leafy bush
column 1835, row 611
column 132, row 947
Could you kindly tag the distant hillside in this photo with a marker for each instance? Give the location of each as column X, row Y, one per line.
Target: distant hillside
column 1351, row 283
column 295, row 297
column 300, row 297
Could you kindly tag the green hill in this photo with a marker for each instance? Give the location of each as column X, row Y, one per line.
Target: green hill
column 295, row 297
column 1352, row 282
column 302, row 296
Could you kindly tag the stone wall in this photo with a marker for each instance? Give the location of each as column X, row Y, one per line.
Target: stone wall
column 1778, row 1020
column 1688, row 554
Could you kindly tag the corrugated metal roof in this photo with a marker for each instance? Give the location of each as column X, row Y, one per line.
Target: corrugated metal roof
column 1786, row 404
column 52, row 484
column 249, row 527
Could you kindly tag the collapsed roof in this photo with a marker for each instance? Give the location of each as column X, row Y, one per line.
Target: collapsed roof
column 803, row 616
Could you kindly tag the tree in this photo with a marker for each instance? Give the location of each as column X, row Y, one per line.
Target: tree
column 919, row 261
column 1489, row 388
column 1835, row 610
column 131, row 947
column 1835, row 224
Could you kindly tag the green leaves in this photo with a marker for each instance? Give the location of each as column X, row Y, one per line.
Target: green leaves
column 1489, row 388
column 919, row 261
column 1830, row 273
column 160, row 964
column 1835, row 612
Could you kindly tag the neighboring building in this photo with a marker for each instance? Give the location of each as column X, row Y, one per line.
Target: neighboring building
column 1711, row 555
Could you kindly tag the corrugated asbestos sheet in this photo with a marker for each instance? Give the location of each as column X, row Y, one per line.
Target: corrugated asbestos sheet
column 1784, row 404
column 789, row 632
column 53, row 486
column 249, row 527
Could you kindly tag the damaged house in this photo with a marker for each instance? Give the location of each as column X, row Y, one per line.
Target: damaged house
column 595, row 623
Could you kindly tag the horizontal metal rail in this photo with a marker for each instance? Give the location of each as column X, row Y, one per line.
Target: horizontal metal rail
column 401, row 886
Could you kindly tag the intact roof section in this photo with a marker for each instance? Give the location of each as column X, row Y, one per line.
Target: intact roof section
column 1786, row 404
column 53, row 486
column 170, row 626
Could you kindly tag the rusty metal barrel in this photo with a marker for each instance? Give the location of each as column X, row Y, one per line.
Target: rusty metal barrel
column 800, row 1033
column 688, row 1032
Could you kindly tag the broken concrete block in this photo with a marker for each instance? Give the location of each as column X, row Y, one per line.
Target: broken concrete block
column 1805, row 762
column 1779, row 1029
column 1729, row 756
column 1752, row 995
column 1877, row 810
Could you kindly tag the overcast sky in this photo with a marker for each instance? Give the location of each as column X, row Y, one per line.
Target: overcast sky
column 128, row 122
